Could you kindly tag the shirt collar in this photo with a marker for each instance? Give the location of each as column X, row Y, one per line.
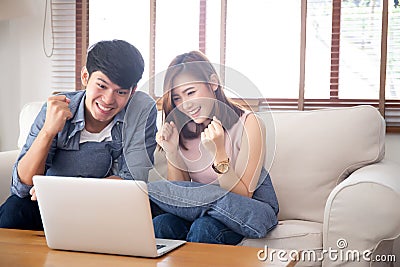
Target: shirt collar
column 80, row 113
column 120, row 115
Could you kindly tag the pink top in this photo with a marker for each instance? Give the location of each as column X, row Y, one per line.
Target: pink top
column 199, row 161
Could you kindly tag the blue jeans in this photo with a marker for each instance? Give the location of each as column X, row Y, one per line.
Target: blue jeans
column 202, row 230
column 20, row 213
column 249, row 217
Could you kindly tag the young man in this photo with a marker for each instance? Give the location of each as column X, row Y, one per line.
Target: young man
column 102, row 131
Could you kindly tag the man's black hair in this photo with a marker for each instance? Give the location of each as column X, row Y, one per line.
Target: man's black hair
column 120, row 61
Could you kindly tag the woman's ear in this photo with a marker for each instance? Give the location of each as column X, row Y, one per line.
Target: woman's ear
column 214, row 83
column 84, row 76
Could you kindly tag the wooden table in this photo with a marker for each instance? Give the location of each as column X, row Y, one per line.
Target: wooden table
column 28, row 248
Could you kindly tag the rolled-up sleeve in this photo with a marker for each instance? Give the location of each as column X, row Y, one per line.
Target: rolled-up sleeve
column 17, row 187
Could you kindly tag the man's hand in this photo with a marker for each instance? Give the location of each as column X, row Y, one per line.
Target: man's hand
column 57, row 114
column 32, row 192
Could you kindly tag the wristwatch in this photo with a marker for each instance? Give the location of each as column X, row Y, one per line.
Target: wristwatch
column 221, row 167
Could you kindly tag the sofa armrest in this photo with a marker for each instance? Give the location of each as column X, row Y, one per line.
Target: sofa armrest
column 7, row 160
column 364, row 211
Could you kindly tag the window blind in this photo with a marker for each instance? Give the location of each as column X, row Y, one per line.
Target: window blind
column 63, row 59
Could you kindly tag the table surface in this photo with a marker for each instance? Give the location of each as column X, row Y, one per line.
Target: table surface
column 29, row 248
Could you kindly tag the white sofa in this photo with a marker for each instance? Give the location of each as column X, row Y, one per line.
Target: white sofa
column 333, row 184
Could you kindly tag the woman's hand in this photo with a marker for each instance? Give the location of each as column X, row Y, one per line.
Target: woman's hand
column 213, row 138
column 168, row 138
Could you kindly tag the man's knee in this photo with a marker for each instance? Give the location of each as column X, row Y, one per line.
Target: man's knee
column 20, row 213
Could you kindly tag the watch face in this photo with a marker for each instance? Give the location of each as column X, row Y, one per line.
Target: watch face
column 223, row 168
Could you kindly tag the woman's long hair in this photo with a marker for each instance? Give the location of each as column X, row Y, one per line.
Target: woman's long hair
column 197, row 65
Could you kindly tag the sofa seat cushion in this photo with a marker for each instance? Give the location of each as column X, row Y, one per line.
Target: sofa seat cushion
column 290, row 234
column 310, row 152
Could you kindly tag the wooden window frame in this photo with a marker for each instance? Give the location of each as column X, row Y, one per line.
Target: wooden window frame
column 301, row 103
column 82, row 39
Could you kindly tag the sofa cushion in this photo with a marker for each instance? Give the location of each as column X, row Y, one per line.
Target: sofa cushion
column 26, row 118
column 293, row 235
column 7, row 159
column 290, row 234
column 313, row 151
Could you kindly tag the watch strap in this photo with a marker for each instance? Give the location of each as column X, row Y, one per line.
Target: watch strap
column 217, row 167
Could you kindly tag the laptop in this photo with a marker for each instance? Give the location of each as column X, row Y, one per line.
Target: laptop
column 99, row 215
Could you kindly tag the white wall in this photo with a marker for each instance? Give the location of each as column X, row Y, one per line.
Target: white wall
column 9, row 86
column 25, row 72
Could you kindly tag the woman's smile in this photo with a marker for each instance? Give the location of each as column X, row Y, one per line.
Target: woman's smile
column 195, row 112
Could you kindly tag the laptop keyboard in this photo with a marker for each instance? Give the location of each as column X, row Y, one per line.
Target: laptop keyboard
column 160, row 246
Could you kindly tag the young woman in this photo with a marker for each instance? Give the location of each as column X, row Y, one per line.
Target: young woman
column 215, row 166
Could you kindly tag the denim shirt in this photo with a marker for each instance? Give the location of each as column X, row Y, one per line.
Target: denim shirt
column 133, row 131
